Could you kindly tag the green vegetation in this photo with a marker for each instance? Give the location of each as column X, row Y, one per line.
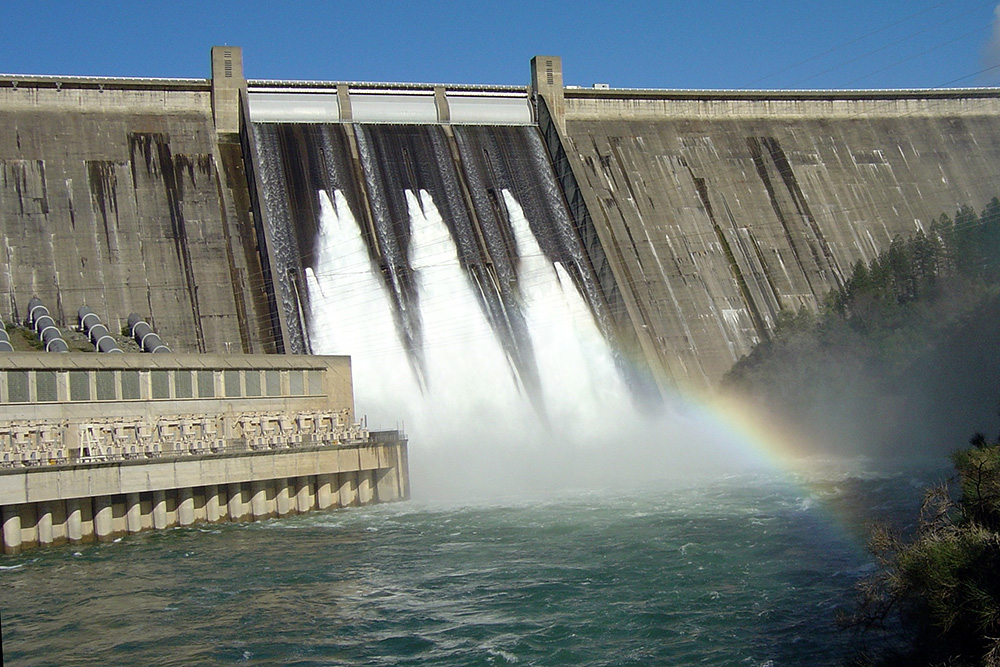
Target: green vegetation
column 23, row 338
column 870, row 357
column 907, row 349
column 944, row 583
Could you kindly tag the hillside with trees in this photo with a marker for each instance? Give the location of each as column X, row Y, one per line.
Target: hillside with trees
column 904, row 355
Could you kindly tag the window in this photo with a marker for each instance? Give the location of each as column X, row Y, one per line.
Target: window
column 45, row 386
column 231, row 380
column 17, row 386
column 160, row 382
column 130, row 385
column 315, row 383
column 253, row 383
column 295, row 383
column 106, row 389
column 79, row 386
column 206, row 384
column 182, row 384
column 273, row 381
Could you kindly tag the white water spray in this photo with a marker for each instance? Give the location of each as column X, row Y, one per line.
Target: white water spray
column 350, row 313
column 474, row 433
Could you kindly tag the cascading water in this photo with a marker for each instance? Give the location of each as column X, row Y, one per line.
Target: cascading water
column 515, row 385
column 469, row 378
column 348, row 306
column 579, row 378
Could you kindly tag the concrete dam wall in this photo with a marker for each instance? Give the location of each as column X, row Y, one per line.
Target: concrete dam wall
column 717, row 210
column 122, row 196
column 686, row 220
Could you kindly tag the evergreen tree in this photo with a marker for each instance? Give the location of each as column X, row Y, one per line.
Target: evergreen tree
column 943, row 584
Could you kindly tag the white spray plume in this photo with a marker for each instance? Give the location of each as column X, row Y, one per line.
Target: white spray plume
column 474, row 435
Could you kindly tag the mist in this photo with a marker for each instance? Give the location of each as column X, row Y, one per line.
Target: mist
column 478, row 436
column 480, row 429
column 475, row 433
column 848, row 404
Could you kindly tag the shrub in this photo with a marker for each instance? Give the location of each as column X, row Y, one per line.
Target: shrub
column 943, row 585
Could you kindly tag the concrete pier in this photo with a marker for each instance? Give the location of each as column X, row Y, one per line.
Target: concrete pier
column 134, row 513
column 44, row 525
column 101, row 502
column 306, row 499
column 11, row 530
column 324, row 491
column 258, row 501
column 212, row 506
column 185, row 506
column 237, row 506
column 74, row 521
column 103, row 515
column 348, row 489
column 282, row 499
column 159, row 510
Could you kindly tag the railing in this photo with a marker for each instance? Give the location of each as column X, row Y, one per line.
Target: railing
column 177, row 438
column 386, row 436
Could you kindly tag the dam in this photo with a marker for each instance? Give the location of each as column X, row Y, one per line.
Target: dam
column 686, row 219
column 642, row 240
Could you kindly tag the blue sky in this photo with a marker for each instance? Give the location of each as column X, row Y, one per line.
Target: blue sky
column 707, row 44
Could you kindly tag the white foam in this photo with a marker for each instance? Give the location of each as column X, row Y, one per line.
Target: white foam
column 474, row 431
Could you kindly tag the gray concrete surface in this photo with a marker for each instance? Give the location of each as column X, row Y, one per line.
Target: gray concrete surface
column 715, row 210
column 122, row 198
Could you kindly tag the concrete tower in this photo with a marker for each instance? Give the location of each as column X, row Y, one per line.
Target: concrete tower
column 547, row 83
column 227, row 81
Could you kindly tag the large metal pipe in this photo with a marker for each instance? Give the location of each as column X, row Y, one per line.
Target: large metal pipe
column 96, row 332
column 45, row 327
column 144, row 335
column 5, row 345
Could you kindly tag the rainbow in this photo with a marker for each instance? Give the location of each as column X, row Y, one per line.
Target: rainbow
column 759, row 440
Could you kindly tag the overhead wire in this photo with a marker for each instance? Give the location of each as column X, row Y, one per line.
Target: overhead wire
column 921, row 54
column 896, row 43
column 850, row 42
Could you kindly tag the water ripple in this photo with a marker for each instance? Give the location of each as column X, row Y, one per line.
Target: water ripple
column 726, row 574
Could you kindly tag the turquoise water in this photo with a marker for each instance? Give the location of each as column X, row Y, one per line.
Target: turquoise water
column 747, row 570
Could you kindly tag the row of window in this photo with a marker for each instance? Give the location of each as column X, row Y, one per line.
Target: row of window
column 50, row 386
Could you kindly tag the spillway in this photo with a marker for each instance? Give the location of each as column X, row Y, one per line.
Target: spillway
column 345, row 200
column 448, row 250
